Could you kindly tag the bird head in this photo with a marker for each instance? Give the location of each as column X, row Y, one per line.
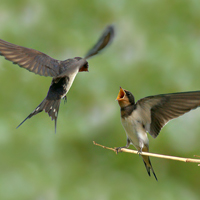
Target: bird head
column 83, row 64
column 84, row 68
column 125, row 98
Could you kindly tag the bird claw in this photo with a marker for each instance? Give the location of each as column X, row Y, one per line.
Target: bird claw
column 65, row 99
column 118, row 149
column 139, row 152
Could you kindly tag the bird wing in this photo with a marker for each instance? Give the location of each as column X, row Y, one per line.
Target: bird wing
column 164, row 107
column 30, row 59
column 103, row 41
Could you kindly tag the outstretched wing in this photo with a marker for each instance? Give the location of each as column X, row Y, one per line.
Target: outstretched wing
column 103, row 41
column 30, row 59
column 162, row 108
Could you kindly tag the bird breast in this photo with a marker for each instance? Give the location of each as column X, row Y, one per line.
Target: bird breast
column 135, row 131
column 70, row 80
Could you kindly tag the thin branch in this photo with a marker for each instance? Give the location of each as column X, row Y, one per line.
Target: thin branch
column 150, row 154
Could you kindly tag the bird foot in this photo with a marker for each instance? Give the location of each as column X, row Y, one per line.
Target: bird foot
column 118, row 149
column 65, row 99
column 139, row 152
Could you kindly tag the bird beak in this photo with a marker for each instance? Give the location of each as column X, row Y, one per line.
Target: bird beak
column 121, row 94
column 83, row 63
column 83, row 69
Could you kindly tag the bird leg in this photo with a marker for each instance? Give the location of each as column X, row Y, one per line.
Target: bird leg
column 118, row 149
column 65, row 99
column 140, row 147
column 139, row 151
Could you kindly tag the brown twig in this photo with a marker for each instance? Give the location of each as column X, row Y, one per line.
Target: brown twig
column 150, row 154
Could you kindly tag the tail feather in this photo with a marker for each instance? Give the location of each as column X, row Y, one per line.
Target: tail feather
column 148, row 166
column 49, row 106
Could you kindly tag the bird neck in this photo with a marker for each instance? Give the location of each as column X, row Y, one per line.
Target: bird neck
column 127, row 110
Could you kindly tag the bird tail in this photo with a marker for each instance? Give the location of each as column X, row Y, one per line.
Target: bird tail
column 49, row 106
column 148, row 166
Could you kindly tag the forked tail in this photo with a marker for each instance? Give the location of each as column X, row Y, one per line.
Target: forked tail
column 148, row 166
column 49, row 106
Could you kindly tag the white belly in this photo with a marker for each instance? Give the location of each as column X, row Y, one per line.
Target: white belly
column 71, row 80
column 135, row 132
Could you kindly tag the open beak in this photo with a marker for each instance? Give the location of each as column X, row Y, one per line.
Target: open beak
column 121, row 94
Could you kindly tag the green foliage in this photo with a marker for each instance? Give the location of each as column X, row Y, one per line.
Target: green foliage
column 156, row 50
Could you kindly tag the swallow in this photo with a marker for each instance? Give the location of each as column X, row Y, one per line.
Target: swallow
column 62, row 72
column 151, row 114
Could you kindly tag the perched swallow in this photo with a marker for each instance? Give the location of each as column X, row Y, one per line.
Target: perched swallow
column 150, row 114
column 62, row 72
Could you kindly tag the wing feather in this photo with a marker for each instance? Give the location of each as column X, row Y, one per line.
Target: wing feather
column 30, row 59
column 165, row 107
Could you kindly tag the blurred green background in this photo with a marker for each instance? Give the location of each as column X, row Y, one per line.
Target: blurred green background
column 156, row 50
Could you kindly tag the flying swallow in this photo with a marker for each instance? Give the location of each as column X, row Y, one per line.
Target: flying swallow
column 62, row 72
column 150, row 114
